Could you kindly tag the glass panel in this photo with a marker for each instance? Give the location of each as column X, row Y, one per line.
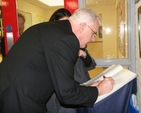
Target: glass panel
column 112, row 39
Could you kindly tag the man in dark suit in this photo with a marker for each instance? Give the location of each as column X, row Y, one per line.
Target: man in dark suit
column 42, row 62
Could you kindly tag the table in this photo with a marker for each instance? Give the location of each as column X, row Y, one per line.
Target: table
column 117, row 102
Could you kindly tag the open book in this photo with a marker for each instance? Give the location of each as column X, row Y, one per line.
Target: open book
column 118, row 73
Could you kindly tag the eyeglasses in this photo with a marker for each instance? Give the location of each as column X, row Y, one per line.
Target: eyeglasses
column 94, row 33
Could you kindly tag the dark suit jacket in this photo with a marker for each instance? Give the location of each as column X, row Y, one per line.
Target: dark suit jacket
column 82, row 66
column 41, row 62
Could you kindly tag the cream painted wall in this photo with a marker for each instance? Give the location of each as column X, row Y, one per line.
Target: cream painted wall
column 108, row 21
column 38, row 14
column 138, row 59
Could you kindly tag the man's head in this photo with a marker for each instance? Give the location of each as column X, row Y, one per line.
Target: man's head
column 21, row 21
column 85, row 23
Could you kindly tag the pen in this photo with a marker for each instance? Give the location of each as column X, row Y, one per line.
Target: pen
column 104, row 77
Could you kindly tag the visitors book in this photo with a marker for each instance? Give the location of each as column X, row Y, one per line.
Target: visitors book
column 118, row 73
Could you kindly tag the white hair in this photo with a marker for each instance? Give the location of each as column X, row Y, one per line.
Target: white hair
column 85, row 15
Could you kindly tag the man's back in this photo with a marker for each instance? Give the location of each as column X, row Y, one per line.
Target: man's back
column 24, row 71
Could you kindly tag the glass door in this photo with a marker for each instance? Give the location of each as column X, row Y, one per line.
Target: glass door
column 115, row 41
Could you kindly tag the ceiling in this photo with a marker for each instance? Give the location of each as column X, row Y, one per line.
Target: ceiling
column 88, row 3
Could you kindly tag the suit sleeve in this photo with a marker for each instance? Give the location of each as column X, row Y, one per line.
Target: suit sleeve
column 61, row 57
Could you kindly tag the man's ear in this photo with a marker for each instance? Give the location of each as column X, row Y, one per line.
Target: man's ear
column 82, row 27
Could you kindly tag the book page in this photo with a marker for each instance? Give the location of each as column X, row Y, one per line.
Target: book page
column 121, row 78
column 110, row 71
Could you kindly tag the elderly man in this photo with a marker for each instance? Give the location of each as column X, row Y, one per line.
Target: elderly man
column 42, row 62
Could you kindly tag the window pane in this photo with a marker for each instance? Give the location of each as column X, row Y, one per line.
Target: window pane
column 112, row 39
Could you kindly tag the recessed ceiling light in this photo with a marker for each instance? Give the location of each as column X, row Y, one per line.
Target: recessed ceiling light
column 53, row 2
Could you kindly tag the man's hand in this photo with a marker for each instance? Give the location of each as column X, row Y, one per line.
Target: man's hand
column 95, row 83
column 82, row 53
column 106, row 85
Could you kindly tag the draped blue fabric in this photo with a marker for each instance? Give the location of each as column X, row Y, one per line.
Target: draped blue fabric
column 117, row 102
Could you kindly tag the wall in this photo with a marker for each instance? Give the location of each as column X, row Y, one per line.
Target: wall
column 138, row 59
column 38, row 14
column 108, row 22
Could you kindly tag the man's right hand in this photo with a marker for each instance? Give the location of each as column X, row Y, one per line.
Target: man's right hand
column 106, row 85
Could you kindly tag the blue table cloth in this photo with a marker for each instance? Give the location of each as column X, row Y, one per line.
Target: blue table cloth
column 118, row 102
